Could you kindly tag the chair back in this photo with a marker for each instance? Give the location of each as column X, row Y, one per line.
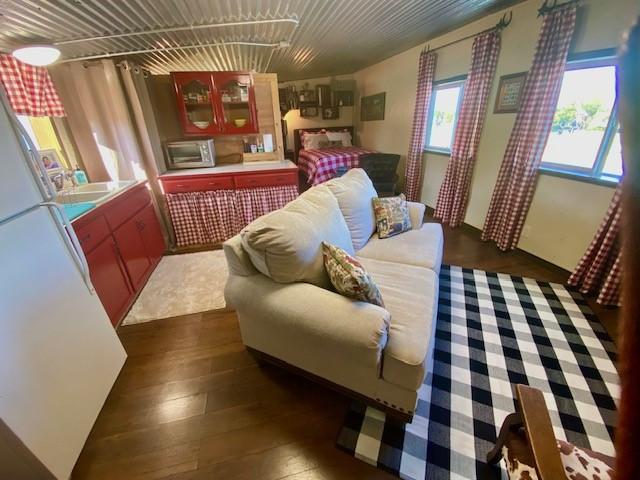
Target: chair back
column 380, row 167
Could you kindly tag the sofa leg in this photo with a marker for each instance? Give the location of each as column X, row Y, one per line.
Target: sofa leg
column 512, row 422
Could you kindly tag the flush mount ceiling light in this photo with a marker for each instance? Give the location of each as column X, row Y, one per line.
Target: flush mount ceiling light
column 37, row 55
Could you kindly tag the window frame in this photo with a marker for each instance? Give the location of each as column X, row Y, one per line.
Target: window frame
column 584, row 61
column 460, row 81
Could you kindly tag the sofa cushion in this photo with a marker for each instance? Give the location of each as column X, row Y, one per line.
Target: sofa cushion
column 286, row 244
column 354, row 192
column 349, row 277
column 392, row 216
column 411, row 296
column 422, row 247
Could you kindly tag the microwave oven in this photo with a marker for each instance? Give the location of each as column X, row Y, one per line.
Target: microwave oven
column 190, row 154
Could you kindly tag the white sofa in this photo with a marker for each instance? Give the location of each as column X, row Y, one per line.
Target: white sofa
column 289, row 313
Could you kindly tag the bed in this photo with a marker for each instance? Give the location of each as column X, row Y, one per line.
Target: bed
column 320, row 165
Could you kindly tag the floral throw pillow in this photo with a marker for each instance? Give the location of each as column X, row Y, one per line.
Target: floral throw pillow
column 348, row 276
column 392, row 216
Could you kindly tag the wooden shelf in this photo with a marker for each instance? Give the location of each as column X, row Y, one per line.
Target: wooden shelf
column 261, row 157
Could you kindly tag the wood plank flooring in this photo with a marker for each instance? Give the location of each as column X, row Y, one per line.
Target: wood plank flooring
column 191, row 403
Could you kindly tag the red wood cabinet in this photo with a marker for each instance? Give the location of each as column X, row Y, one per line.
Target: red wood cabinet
column 204, row 183
column 213, row 103
column 109, row 279
column 133, row 251
column 123, row 242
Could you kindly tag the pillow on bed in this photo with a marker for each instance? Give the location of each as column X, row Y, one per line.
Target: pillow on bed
column 312, row 141
column 343, row 137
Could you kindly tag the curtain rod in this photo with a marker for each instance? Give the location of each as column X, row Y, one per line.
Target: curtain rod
column 547, row 8
column 502, row 24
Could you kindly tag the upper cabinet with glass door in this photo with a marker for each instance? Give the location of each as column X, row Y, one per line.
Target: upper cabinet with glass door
column 196, row 97
column 214, row 103
column 236, row 102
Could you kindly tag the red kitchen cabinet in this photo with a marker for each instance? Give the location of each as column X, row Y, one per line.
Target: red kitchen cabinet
column 133, row 250
column 213, row 103
column 151, row 233
column 236, row 102
column 110, row 279
column 196, row 98
column 123, row 242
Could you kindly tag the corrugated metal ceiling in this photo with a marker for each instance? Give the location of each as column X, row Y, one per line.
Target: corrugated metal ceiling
column 330, row 37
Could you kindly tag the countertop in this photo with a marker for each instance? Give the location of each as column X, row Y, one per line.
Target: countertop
column 78, row 201
column 232, row 168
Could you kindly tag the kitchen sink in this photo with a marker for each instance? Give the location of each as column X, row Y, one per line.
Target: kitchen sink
column 92, row 192
column 79, row 197
column 101, row 186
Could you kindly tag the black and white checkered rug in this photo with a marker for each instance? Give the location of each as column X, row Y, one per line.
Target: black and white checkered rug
column 494, row 331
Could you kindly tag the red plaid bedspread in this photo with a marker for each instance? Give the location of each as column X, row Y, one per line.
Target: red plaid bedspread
column 320, row 165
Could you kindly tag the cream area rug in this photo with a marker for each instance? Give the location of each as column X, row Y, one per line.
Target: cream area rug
column 180, row 285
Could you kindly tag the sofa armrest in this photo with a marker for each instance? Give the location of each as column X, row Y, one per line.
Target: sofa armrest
column 416, row 213
column 300, row 317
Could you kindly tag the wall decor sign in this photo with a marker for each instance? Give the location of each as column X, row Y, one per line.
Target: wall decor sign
column 509, row 93
column 372, row 107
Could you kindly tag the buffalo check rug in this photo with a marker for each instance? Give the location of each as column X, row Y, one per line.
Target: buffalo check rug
column 494, row 331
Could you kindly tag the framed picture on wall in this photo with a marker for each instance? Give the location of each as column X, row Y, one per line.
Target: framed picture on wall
column 50, row 160
column 330, row 113
column 308, row 111
column 372, row 107
column 509, row 93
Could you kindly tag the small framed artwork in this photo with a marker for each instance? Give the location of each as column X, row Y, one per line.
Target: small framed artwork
column 330, row 113
column 372, row 107
column 509, row 93
column 50, row 160
column 308, row 111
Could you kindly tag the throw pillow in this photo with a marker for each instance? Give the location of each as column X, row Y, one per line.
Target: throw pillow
column 348, row 276
column 392, row 216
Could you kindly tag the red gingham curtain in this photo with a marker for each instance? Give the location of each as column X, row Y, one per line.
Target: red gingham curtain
column 30, row 89
column 426, row 69
column 201, row 218
column 600, row 268
column 514, row 188
column 454, row 191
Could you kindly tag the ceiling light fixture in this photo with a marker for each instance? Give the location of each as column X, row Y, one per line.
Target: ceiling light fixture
column 37, row 55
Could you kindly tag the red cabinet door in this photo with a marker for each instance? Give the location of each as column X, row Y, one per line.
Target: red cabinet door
column 151, row 233
column 197, row 107
column 109, row 279
column 133, row 250
column 236, row 102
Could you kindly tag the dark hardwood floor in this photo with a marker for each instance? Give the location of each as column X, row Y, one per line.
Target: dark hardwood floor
column 191, row 403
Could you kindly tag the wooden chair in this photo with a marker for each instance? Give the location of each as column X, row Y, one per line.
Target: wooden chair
column 531, row 451
column 382, row 170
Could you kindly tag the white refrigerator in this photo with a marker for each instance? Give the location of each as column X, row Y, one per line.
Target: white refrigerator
column 59, row 354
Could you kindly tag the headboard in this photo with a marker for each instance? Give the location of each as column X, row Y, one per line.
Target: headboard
column 297, row 144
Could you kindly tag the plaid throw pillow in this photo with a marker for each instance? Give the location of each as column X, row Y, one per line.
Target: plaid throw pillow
column 348, row 276
column 392, row 216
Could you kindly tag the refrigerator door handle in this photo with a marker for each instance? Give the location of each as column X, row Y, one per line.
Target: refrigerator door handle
column 35, row 164
column 71, row 240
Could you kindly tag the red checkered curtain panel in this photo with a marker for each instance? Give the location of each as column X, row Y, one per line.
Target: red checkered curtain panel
column 600, row 269
column 454, row 191
column 413, row 167
column 514, row 188
column 30, row 89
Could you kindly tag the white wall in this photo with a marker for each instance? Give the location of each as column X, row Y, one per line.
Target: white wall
column 295, row 121
column 565, row 213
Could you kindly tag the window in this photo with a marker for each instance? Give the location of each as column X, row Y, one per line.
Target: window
column 44, row 136
column 443, row 115
column 585, row 137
